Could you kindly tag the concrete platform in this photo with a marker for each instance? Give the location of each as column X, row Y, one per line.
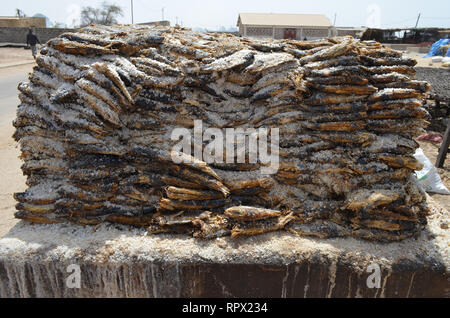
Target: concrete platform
column 117, row 261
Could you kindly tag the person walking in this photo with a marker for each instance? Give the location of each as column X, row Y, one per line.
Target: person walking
column 31, row 41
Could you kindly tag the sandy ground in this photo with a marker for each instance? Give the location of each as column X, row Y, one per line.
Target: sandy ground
column 12, row 179
column 423, row 61
column 11, row 55
column 10, row 174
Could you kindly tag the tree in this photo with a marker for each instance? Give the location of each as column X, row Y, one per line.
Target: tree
column 107, row 14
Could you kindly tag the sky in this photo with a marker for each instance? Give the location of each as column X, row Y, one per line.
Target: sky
column 213, row 14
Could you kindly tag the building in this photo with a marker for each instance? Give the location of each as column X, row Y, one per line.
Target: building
column 156, row 23
column 284, row 26
column 14, row 22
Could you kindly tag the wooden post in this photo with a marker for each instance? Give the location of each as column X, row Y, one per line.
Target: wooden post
column 444, row 147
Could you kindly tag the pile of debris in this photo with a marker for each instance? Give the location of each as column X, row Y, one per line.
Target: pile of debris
column 97, row 115
column 438, row 78
column 438, row 98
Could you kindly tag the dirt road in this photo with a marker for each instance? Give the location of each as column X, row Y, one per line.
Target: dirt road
column 15, row 55
column 11, row 176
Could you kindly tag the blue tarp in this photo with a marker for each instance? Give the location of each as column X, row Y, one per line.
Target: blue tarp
column 435, row 47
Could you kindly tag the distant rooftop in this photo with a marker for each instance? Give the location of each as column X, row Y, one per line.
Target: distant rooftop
column 13, row 18
column 156, row 23
column 284, row 19
column 23, row 22
column 350, row 28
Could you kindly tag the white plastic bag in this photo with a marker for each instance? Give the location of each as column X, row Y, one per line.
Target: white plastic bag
column 428, row 177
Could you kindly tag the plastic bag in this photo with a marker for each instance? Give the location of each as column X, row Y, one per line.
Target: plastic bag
column 435, row 47
column 428, row 177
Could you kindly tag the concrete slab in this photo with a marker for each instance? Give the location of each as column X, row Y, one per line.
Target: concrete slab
column 116, row 261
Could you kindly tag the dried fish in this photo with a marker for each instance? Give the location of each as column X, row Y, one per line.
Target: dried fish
column 281, row 222
column 189, row 194
column 394, row 93
column 333, row 51
column 346, row 90
column 97, row 114
column 239, row 59
column 248, row 213
column 330, row 99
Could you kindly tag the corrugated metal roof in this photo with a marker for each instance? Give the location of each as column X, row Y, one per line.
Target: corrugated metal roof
column 284, row 19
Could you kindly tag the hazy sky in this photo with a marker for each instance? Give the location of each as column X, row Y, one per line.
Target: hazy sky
column 213, row 13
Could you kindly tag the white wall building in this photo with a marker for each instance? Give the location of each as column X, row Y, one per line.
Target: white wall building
column 284, row 26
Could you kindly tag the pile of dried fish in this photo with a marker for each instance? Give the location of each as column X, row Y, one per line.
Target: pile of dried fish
column 96, row 117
